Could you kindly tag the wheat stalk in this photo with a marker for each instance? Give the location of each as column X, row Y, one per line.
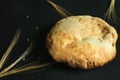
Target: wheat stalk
column 28, row 50
column 30, row 66
column 110, row 13
column 24, row 62
column 9, row 49
column 63, row 12
column 15, row 71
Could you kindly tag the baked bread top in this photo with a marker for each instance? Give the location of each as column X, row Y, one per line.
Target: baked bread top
column 82, row 41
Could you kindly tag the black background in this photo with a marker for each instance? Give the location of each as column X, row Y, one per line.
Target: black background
column 13, row 16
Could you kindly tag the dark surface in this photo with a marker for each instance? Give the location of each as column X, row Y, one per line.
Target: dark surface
column 13, row 15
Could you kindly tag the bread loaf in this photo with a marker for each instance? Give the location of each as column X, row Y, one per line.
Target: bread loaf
column 82, row 42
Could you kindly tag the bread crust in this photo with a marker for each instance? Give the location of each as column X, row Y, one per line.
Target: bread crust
column 82, row 42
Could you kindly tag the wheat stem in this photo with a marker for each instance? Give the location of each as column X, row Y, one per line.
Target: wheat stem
column 9, row 49
column 29, row 64
column 22, row 63
column 110, row 13
column 27, row 51
column 24, row 69
column 63, row 12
